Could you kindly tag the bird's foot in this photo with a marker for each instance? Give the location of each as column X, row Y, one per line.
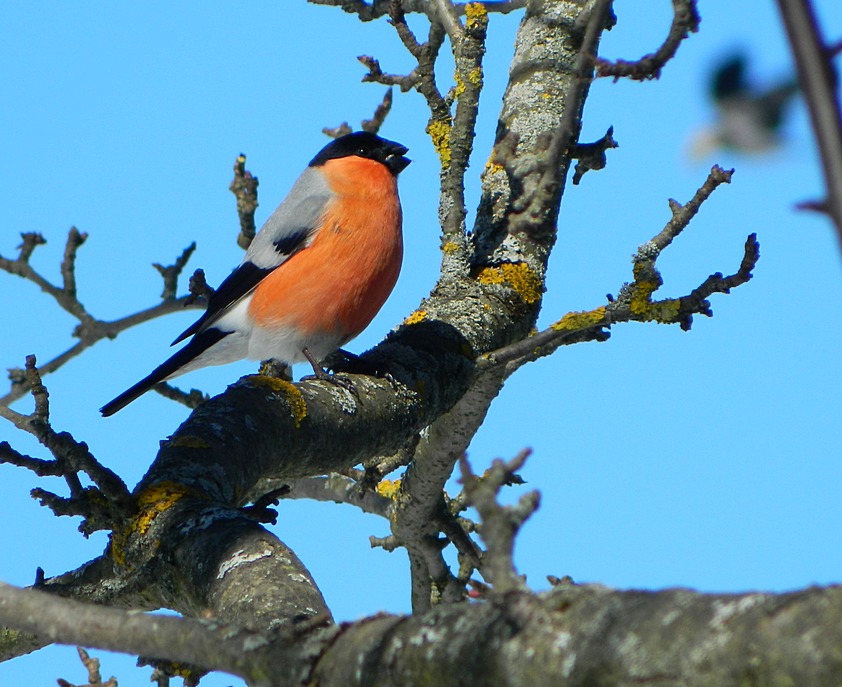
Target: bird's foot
column 323, row 375
column 345, row 361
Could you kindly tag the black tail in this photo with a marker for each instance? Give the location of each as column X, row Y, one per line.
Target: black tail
column 198, row 344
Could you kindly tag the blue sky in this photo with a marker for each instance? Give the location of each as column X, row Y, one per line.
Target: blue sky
column 707, row 459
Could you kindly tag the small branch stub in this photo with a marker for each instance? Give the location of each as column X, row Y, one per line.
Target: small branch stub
column 244, row 187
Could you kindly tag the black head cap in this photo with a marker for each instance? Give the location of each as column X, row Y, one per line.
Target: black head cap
column 364, row 144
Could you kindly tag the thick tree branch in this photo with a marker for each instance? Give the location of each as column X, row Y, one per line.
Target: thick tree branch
column 421, row 512
column 94, row 582
column 524, row 181
column 572, row 635
column 340, row 489
column 199, row 642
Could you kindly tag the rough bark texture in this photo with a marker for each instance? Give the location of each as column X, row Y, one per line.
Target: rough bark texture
column 578, row 636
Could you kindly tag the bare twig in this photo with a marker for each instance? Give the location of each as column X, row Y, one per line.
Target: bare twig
column 468, row 44
column 371, row 125
column 64, row 295
column 102, row 506
column 376, row 75
column 820, row 85
column 171, row 273
column 192, row 399
column 380, row 113
column 341, row 489
column 94, row 675
column 634, row 301
column 452, row 133
column 89, row 330
column 500, row 523
column 198, row 287
column 244, row 187
column 591, row 156
column 685, row 21
column 426, row 54
column 75, row 238
column 31, row 240
column 682, row 214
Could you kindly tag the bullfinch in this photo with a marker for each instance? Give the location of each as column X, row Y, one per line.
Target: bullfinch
column 314, row 276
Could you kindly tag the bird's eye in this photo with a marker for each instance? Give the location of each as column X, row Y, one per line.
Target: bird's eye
column 361, row 152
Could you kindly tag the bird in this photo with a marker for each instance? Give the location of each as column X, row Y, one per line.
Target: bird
column 749, row 118
column 314, row 276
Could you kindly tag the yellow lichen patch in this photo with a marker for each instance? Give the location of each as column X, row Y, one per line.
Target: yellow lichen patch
column 475, row 76
column 297, row 404
column 492, row 167
column 416, row 317
column 641, row 299
column 476, row 13
column 155, row 500
column 151, row 502
column 181, row 670
column 517, row 276
column 490, row 275
column 647, row 281
column 118, row 545
column 460, row 84
column 189, row 441
column 389, row 488
column 576, row 321
column 450, row 247
column 439, row 132
column 665, row 311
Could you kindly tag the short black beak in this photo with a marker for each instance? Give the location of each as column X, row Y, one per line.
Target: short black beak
column 397, row 163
